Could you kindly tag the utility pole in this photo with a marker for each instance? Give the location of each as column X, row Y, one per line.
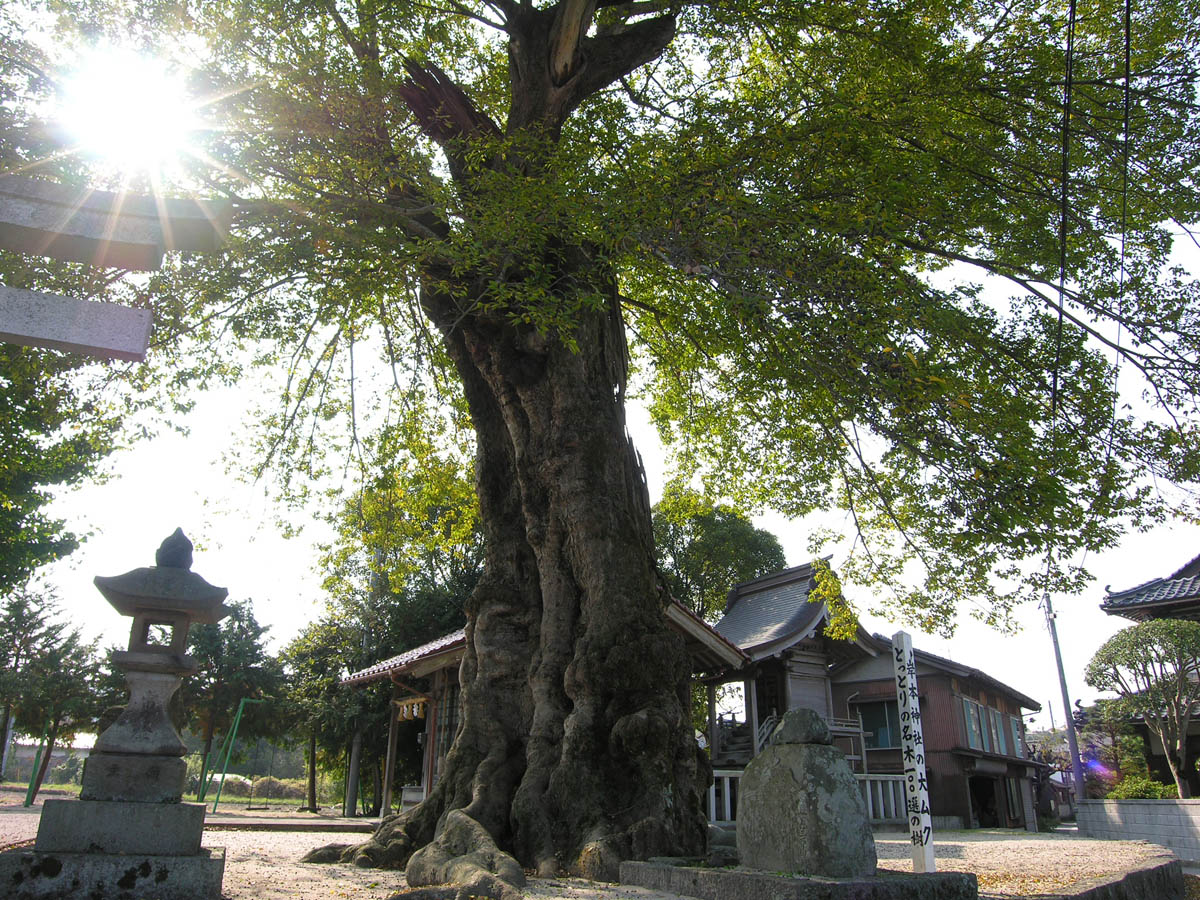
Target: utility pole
column 1069, row 725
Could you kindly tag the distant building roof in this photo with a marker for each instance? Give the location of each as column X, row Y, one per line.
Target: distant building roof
column 453, row 643
column 959, row 670
column 1175, row 597
column 709, row 651
column 763, row 614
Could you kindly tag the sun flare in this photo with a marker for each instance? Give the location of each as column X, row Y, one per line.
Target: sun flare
column 128, row 110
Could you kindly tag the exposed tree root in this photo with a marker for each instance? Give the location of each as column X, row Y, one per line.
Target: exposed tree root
column 464, row 854
column 326, row 853
column 461, row 861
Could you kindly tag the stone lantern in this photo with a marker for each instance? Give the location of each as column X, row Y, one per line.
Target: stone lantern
column 139, row 757
column 129, row 823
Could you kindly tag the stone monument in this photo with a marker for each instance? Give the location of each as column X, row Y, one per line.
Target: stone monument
column 129, row 834
column 800, row 810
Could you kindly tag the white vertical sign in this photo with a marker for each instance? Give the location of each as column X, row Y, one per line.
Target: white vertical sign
column 912, row 748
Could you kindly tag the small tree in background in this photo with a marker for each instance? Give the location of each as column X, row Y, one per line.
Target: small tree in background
column 23, row 628
column 406, row 554
column 47, row 672
column 234, row 663
column 59, row 696
column 1110, row 748
column 314, row 662
column 1154, row 668
column 705, row 548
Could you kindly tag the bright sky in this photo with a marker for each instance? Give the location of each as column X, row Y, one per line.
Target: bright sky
column 176, row 481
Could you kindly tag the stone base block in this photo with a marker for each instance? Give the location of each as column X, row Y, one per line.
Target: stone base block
column 101, row 826
column 134, row 779
column 69, row 876
column 723, row 884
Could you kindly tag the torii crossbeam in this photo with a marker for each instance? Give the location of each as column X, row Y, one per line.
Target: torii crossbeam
column 99, row 228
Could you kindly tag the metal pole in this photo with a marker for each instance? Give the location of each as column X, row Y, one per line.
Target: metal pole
column 37, row 763
column 1069, row 724
column 232, row 737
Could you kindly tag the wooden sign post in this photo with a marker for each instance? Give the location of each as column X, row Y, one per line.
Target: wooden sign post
column 912, row 748
column 99, row 228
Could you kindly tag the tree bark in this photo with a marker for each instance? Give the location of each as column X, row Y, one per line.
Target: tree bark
column 312, row 770
column 5, row 738
column 575, row 748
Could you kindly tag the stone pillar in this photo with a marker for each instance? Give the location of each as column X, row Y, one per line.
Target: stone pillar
column 799, row 809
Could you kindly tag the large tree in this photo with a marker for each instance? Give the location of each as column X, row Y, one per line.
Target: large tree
column 755, row 202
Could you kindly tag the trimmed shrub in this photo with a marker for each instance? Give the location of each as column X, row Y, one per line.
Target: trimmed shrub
column 270, row 788
column 1141, row 787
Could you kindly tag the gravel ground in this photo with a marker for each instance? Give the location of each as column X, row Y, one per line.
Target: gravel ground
column 263, row 864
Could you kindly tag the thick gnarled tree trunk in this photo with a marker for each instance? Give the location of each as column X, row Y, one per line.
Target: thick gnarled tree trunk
column 575, row 749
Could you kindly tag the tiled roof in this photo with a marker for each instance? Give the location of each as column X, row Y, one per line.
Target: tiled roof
column 1191, row 567
column 770, row 609
column 709, row 648
column 1160, row 590
column 963, row 671
column 407, row 658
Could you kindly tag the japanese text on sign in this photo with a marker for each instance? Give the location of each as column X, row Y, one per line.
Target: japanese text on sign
column 912, row 748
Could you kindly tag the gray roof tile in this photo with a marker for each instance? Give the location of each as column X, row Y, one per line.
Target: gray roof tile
column 1160, row 590
column 769, row 609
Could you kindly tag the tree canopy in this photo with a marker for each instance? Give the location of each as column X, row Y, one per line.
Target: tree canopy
column 770, row 218
column 1154, row 668
column 780, row 189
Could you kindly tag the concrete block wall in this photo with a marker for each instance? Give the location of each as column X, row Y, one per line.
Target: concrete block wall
column 1174, row 824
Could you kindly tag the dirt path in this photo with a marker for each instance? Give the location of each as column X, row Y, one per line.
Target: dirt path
column 263, row 865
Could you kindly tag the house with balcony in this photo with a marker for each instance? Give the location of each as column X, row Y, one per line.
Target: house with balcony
column 979, row 775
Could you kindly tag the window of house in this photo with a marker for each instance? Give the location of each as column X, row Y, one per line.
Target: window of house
column 1015, row 811
column 1018, row 745
column 998, row 736
column 881, row 721
column 971, row 718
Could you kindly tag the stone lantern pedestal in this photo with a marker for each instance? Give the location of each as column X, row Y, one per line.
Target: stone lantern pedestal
column 129, row 834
